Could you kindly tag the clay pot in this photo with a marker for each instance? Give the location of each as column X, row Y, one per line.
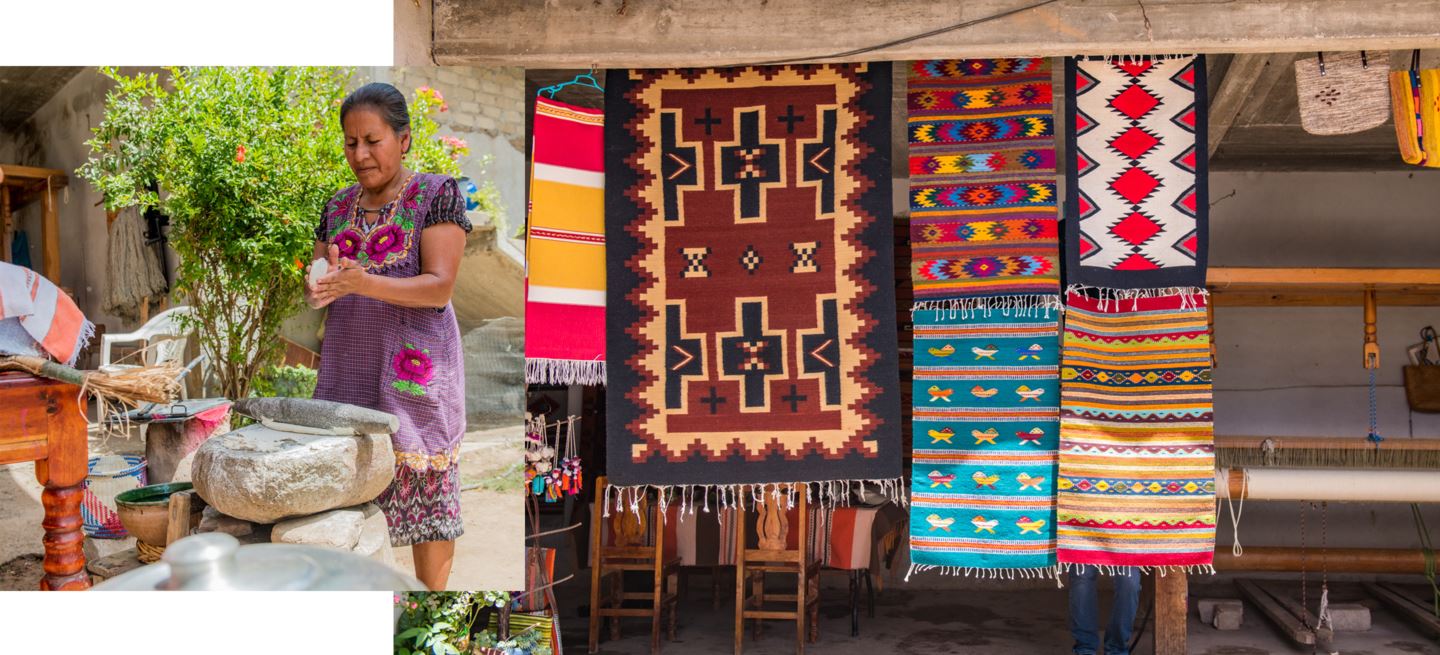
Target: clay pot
column 145, row 512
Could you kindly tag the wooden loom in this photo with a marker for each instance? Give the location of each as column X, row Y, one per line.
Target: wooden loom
column 1304, row 468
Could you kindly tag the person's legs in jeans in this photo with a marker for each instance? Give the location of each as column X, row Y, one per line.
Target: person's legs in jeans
column 1122, row 613
column 1084, row 610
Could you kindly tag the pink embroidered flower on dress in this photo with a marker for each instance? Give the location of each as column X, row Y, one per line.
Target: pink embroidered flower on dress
column 350, row 242
column 411, row 201
column 413, row 370
column 384, row 240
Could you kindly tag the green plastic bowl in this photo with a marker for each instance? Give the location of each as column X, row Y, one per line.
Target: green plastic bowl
column 154, row 494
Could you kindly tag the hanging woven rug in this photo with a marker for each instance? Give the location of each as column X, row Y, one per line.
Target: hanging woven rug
column 1136, row 199
column 982, row 181
column 565, row 248
column 1137, row 463
column 986, row 395
column 751, row 310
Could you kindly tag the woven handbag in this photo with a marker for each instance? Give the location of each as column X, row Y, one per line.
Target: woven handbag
column 1422, row 381
column 1415, row 102
column 1343, row 92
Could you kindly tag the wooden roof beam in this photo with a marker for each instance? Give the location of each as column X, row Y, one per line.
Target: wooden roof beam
column 1236, row 89
column 631, row 33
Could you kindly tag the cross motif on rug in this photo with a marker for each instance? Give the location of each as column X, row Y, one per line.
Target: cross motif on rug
column 750, row 165
column 794, row 398
column 790, row 118
column 707, row 121
column 714, row 400
column 753, row 355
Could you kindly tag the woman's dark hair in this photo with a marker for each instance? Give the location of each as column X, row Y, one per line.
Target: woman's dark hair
column 386, row 100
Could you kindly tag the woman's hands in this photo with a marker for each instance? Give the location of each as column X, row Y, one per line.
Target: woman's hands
column 332, row 256
column 346, row 279
column 343, row 277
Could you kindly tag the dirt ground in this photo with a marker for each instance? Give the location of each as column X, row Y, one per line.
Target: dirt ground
column 489, row 556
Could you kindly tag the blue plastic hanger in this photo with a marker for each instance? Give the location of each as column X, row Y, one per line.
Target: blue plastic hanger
column 583, row 79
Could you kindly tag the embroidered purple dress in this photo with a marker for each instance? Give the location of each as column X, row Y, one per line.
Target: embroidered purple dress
column 406, row 361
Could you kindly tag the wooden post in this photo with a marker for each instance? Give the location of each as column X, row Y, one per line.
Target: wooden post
column 1210, row 323
column 1372, row 345
column 50, row 235
column 597, row 521
column 179, row 520
column 739, row 578
column 1171, row 612
column 657, row 591
column 802, row 587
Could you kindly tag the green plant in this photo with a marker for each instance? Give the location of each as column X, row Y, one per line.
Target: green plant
column 527, row 642
column 242, row 160
column 438, row 623
column 285, row 381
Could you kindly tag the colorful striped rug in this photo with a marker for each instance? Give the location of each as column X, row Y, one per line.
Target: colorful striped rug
column 982, row 181
column 985, row 431
column 565, row 248
column 1137, row 464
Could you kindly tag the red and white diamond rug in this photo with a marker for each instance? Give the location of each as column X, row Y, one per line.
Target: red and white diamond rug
column 1136, row 195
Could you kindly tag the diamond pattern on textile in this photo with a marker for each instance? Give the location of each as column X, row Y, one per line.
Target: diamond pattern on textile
column 1137, row 187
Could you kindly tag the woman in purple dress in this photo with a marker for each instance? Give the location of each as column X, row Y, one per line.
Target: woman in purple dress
column 393, row 243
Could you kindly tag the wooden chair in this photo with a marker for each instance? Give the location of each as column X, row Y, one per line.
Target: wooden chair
column 772, row 554
column 626, row 549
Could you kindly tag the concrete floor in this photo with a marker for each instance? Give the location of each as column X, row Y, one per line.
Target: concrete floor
column 957, row 616
column 489, row 556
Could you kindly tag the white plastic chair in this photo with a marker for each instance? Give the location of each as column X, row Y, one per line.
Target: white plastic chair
column 163, row 331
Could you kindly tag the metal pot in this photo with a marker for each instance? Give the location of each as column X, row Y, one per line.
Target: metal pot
column 217, row 561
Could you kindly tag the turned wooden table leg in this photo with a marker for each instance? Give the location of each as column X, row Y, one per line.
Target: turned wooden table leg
column 64, row 542
column 62, row 473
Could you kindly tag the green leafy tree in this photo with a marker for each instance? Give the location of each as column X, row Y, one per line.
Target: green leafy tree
column 242, row 160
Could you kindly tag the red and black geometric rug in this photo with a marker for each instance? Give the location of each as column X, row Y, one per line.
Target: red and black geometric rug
column 751, row 329
column 1136, row 201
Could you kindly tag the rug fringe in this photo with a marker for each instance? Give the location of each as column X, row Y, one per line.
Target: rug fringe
column 1021, row 306
column 87, row 333
column 1189, row 296
column 1032, row 573
column 829, row 493
column 1114, row 569
column 565, row 371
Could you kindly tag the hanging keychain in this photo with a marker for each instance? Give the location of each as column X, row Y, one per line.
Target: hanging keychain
column 571, row 464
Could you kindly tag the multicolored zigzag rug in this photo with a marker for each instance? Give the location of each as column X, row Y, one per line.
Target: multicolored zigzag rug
column 1137, row 464
column 982, row 181
column 751, row 307
column 985, row 433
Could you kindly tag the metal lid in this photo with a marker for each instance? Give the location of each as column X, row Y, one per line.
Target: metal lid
column 216, row 561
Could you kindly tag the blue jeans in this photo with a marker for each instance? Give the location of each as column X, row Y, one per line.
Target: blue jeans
column 1085, row 611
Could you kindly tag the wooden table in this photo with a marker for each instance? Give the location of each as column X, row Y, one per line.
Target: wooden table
column 44, row 424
